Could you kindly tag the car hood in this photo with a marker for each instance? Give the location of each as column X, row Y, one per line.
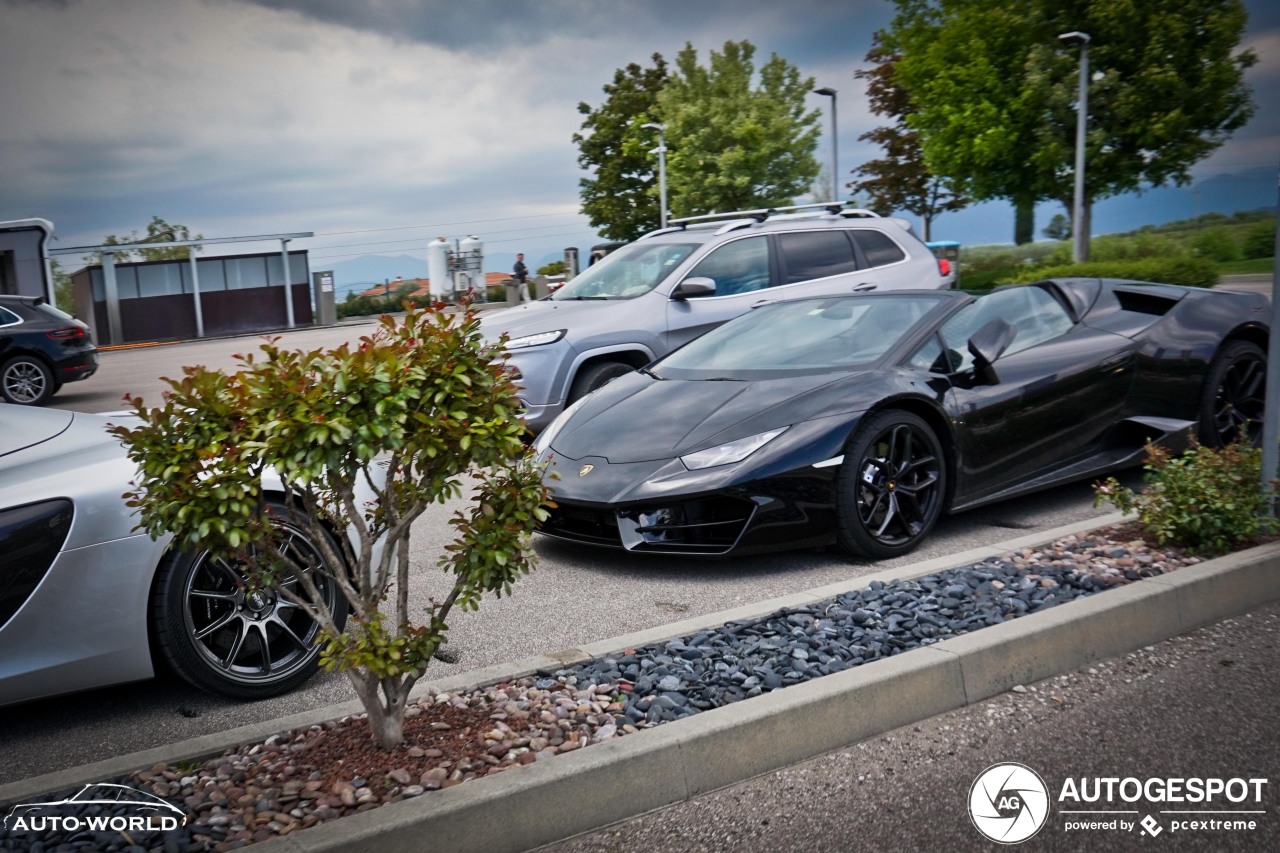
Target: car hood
column 546, row 315
column 639, row 418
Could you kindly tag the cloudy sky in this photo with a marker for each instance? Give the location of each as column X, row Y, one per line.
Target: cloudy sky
column 381, row 124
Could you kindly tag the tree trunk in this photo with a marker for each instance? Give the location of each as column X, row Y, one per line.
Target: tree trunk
column 1024, row 221
column 386, row 721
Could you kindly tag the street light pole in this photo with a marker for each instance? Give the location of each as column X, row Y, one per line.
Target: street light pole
column 1079, row 241
column 835, row 168
column 662, row 167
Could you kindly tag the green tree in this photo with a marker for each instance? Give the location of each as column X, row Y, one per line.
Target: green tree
column 1059, row 227
column 900, row 180
column 621, row 200
column 994, row 90
column 735, row 145
column 63, row 290
column 158, row 231
column 553, row 268
column 426, row 399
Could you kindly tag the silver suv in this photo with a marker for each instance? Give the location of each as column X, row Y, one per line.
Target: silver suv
column 653, row 295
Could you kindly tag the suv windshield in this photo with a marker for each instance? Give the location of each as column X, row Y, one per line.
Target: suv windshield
column 629, row 272
column 809, row 336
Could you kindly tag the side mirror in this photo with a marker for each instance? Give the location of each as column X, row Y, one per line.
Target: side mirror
column 694, row 287
column 987, row 345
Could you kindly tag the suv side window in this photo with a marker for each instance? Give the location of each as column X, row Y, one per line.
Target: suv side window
column 879, row 248
column 737, row 267
column 8, row 318
column 808, row 255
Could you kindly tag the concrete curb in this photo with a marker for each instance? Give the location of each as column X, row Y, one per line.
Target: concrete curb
column 548, row 801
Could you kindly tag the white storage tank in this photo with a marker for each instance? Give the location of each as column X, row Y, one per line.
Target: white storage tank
column 438, row 268
column 469, row 264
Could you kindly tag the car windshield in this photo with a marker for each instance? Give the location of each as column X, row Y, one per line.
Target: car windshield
column 808, row 336
column 629, row 272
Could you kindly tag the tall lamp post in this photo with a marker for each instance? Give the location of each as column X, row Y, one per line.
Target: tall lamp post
column 1079, row 244
column 827, row 91
column 662, row 167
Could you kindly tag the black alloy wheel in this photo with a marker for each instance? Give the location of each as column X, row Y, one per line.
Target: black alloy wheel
column 222, row 636
column 26, row 381
column 1234, row 396
column 891, row 485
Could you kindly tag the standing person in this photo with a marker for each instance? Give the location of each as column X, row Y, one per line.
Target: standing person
column 520, row 273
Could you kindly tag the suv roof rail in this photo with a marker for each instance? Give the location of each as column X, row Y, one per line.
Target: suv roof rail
column 838, row 208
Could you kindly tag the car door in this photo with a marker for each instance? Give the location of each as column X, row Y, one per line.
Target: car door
column 821, row 263
column 1060, row 387
column 743, row 271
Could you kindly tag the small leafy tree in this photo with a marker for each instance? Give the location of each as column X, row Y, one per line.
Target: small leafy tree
column 158, row 231
column 1059, row 227
column 423, row 398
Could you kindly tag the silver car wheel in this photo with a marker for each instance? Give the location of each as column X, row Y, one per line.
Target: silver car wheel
column 223, row 636
column 25, row 381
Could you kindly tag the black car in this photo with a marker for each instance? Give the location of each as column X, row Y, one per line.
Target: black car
column 41, row 348
column 860, row 419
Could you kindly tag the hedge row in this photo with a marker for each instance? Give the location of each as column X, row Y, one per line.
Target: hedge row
column 1177, row 269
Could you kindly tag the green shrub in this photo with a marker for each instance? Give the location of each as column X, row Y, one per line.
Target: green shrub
column 1175, row 269
column 1260, row 240
column 1206, row 500
column 1216, row 244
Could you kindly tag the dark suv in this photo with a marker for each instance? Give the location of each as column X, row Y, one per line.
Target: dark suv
column 40, row 349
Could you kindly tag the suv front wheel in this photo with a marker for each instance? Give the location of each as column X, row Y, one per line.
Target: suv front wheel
column 596, row 376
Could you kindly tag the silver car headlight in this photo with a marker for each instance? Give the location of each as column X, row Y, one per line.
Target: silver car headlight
column 538, row 340
column 727, row 454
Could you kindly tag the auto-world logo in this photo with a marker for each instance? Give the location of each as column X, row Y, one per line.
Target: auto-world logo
column 104, row 807
column 1008, row 803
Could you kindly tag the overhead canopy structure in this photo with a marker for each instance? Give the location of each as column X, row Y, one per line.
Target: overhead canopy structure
column 114, row 333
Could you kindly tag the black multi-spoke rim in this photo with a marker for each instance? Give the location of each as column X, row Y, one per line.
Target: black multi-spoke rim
column 897, row 486
column 1238, row 402
column 253, row 635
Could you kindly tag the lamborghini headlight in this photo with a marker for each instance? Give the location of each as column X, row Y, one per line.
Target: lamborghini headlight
column 727, row 454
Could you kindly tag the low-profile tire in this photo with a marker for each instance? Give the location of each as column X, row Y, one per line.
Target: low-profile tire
column 246, row 646
column 26, row 381
column 891, row 486
column 1234, row 395
column 595, row 376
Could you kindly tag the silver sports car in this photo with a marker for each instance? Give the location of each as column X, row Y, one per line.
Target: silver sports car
column 86, row 600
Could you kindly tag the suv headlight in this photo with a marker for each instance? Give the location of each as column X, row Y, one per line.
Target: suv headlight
column 727, row 454
column 538, row 340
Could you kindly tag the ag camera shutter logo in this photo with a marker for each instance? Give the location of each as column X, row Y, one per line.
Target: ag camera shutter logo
column 1008, row 803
